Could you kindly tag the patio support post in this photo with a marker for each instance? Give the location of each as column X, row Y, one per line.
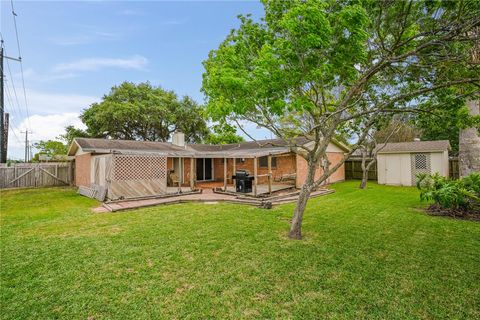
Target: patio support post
column 255, row 178
column 192, row 181
column 225, row 174
column 233, row 172
column 269, row 174
column 179, row 174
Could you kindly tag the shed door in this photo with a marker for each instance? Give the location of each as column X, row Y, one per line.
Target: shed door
column 393, row 169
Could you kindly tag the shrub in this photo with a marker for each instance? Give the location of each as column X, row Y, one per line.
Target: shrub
column 458, row 195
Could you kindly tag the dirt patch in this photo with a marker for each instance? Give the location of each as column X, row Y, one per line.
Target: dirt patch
column 436, row 210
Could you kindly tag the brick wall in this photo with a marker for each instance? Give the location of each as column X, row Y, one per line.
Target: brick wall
column 285, row 165
column 186, row 169
column 333, row 157
column 82, row 169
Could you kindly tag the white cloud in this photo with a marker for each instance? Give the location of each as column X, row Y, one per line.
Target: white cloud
column 44, row 127
column 91, row 64
column 129, row 12
column 88, row 36
column 49, row 113
column 174, row 22
column 52, row 103
column 32, row 76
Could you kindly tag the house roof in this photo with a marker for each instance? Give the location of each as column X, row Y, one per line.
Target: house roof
column 110, row 146
column 248, row 149
column 415, row 146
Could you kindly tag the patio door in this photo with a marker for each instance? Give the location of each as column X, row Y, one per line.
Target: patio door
column 204, row 169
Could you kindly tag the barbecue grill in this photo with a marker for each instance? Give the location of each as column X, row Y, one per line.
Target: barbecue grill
column 243, row 181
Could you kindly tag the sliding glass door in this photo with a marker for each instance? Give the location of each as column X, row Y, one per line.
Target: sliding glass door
column 204, row 169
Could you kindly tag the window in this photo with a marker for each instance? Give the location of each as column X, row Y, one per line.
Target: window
column 239, row 160
column 420, row 161
column 264, row 162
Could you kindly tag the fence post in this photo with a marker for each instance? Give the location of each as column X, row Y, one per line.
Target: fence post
column 36, row 172
column 14, row 175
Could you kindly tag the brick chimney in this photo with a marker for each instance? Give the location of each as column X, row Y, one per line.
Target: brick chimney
column 178, row 139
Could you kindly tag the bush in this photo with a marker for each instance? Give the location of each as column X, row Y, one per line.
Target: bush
column 457, row 195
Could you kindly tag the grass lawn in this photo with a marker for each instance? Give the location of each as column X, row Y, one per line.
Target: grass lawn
column 366, row 254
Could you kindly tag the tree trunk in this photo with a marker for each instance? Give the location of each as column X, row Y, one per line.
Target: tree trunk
column 296, row 226
column 363, row 184
column 469, row 139
column 469, row 146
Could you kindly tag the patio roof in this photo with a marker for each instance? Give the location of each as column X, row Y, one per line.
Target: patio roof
column 248, row 149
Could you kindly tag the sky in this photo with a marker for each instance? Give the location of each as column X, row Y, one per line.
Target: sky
column 74, row 52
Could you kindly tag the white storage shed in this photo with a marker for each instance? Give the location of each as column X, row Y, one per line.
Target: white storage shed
column 399, row 163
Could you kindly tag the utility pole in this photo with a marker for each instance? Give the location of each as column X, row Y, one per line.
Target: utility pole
column 6, row 125
column 3, row 132
column 27, row 147
column 2, row 104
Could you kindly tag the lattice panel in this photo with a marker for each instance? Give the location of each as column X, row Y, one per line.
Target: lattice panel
column 419, row 163
column 139, row 167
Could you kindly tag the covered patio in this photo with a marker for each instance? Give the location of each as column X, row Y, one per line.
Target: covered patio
column 272, row 170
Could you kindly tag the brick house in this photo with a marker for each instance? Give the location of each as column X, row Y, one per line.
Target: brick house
column 130, row 169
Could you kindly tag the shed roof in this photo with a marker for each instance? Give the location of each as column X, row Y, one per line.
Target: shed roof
column 415, row 146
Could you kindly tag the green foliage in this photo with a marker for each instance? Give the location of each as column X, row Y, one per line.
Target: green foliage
column 445, row 123
column 50, row 148
column 144, row 112
column 462, row 194
column 402, row 130
column 223, row 133
column 319, row 64
column 71, row 133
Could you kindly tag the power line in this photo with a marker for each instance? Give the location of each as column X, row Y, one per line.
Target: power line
column 12, row 104
column 16, row 29
column 14, row 133
column 12, row 123
column 13, row 87
column 9, row 99
column 21, row 63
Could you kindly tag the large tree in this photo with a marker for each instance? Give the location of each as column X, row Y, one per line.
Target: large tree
column 469, row 138
column 143, row 112
column 312, row 67
column 50, row 148
column 447, row 122
column 223, row 133
column 71, row 133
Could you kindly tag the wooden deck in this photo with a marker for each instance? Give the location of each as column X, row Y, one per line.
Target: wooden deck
column 262, row 189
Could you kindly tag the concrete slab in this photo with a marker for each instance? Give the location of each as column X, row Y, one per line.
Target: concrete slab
column 208, row 197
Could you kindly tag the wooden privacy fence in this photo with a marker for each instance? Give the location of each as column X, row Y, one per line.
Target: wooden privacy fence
column 353, row 169
column 453, row 168
column 33, row 175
